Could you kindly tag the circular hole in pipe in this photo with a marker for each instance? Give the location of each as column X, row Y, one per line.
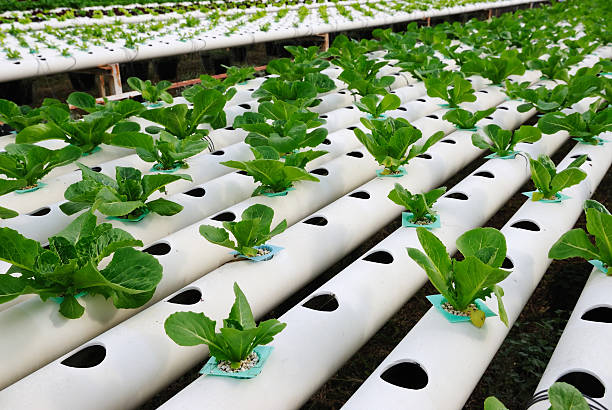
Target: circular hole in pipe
column 351, row 128
column 383, row 257
column 435, row 117
column 424, row 156
column 449, row 141
column 88, row 357
column 320, row 171
column 220, row 152
column 242, row 172
column 483, row 91
column 457, row 195
column 588, row 384
column 96, row 169
column 230, row 128
column 158, row 249
column 326, row 142
column 601, row 314
column 489, row 117
column 245, row 106
column 526, row 225
column 503, row 108
column 402, row 108
column 355, row 154
column 196, row 192
column 507, row 263
column 484, row 174
column 350, row 107
column 421, row 100
column 408, row 375
column 316, row 220
column 360, row 195
column 187, row 297
column 579, row 155
column 323, row 116
column 326, row 302
column 224, row 217
column 41, row 212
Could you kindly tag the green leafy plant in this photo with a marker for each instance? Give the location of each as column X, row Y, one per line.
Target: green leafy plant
column 151, row 93
column 235, row 340
column 502, row 142
column 282, row 126
column 26, row 164
column 587, row 125
column 548, row 182
column 555, row 67
column 86, row 134
column 474, row 277
column 496, row 69
column 70, row 266
column 419, row 204
column 371, row 104
column 276, row 176
column 18, row 117
column 361, row 77
column 390, row 139
column 466, row 120
column 302, row 94
column 251, row 231
column 124, row 197
column 167, row 151
column 182, row 121
column 562, row 396
column 451, row 87
column 577, row 244
column 123, row 108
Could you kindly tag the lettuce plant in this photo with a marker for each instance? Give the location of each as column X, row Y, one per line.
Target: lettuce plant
column 235, row 340
column 577, row 244
column 466, row 120
column 562, row 396
column 251, row 231
column 555, row 67
column 419, row 204
column 301, row 94
column 496, row 69
column 548, row 182
column 587, row 125
column 306, row 66
column 451, row 87
column 26, row 164
column 370, row 104
column 86, row 134
column 124, row 197
column 151, row 93
column 276, row 176
column 361, row 77
column 234, row 75
column 70, row 266
column 182, row 121
column 421, row 66
column 475, row 277
column 282, row 126
column 18, row 117
column 5, row 188
column 562, row 96
column 390, row 139
column 167, row 151
column 124, row 108
column 503, row 141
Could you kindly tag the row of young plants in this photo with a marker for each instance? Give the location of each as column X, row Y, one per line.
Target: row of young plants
column 66, row 41
column 282, row 126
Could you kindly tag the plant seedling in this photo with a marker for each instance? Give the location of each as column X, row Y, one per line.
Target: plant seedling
column 466, row 120
column 548, row 182
column 235, row 340
column 70, row 266
column 275, row 175
column 562, row 396
column 370, row 104
column 26, row 164
column 123, row 198
column 475, row 277
column 151, row 93
column 577, row 244
column 253, row 230
column 389, row 142
column 167, row 151
column 451, row 87
column 420, row 204
column 504, row 141
column 586, row 126
column 496, row 69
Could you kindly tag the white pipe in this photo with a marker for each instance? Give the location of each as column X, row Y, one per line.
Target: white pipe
column 584, row 345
